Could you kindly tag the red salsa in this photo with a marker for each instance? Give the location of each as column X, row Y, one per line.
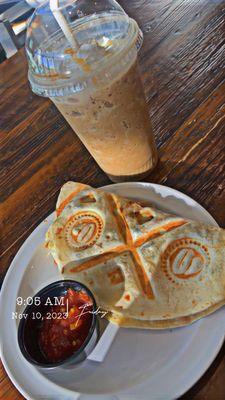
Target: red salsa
column 66, row 326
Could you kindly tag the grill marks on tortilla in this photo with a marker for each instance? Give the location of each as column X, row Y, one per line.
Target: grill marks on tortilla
column 130, row 245
column 143, row 277
column 184, row 259
column 143, row 216
column 89, row 198
column 121, row 222
column 160, row 230
column 83, row 229
column 93, row 262
column 125, row 231
column 70, row 197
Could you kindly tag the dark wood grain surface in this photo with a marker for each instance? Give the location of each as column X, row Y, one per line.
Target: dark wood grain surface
column 183, row 70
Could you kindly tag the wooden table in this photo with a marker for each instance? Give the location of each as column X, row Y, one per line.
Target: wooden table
column 183, row 70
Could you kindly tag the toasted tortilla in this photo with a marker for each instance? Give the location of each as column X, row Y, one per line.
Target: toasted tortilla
column 146, row 268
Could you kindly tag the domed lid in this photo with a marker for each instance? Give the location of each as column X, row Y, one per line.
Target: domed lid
column 70, row 41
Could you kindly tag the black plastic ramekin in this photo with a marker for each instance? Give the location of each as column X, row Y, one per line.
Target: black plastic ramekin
column 29, row 327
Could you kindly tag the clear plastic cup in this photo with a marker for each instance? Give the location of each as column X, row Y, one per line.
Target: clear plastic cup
column 95, row 82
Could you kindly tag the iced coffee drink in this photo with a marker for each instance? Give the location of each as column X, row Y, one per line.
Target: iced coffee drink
column 96, row 86
column 114, row 125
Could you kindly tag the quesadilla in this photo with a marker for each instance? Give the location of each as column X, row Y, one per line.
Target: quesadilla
column 146, row 268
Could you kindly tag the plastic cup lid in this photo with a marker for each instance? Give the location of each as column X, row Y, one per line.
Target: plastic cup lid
column 69, row 43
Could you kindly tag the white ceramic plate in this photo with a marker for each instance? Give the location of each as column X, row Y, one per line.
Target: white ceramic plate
column 140, row 364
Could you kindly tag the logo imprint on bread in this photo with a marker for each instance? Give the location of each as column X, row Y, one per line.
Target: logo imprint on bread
column 83, row 230
column 184, row 259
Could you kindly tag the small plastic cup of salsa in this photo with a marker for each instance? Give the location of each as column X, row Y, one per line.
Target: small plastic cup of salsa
column 59, row 327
